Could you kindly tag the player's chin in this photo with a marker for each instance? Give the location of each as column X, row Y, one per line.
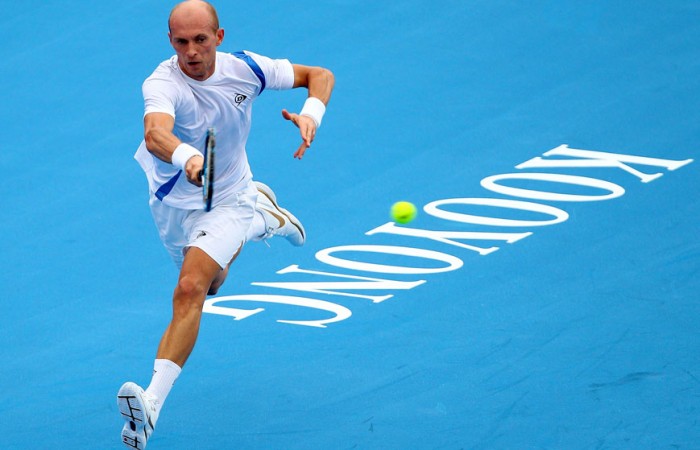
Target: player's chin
column 195, row 69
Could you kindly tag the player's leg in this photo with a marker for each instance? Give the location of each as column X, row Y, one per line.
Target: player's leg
column 214, row 239
column 197, row 273
column 140, row 408
column 211, row 240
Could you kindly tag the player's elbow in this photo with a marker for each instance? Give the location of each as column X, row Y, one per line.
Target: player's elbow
column 320, row 83
column 156, row 142
column 157, row 128
column 315, row 78
column 327, row 77
column 150, row 136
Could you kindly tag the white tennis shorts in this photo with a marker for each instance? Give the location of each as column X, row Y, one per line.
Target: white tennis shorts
column 219, row 232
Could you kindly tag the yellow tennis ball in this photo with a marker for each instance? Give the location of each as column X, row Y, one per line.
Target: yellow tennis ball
column 403, row 212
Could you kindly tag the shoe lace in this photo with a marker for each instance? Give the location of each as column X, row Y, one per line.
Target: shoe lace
column 270, row 232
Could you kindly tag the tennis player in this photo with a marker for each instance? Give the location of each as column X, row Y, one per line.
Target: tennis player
column 199, row 88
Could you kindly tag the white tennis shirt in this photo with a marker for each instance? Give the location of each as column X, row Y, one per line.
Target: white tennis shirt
column 223, row 101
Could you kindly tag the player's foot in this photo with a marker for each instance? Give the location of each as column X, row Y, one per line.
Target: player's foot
column 279, row 221
column 138, row 409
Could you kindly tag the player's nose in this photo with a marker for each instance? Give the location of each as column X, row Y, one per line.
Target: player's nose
column 191, row 50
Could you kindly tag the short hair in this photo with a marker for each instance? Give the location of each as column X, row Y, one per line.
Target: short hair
column 210, row 8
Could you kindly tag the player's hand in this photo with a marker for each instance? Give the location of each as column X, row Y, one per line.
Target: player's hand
column 307, row 128
column 193, row 168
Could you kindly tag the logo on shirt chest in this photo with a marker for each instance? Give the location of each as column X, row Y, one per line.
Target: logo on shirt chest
column 238, row 99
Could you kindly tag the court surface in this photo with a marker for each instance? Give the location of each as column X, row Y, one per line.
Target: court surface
column 545, row 303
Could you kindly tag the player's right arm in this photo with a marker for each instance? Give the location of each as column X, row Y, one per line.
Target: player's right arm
column 162, row 143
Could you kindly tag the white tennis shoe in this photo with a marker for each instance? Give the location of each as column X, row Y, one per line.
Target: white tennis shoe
column 140, row 414
column 278, row 221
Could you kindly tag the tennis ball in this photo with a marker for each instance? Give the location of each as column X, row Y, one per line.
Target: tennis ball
column 403, row 212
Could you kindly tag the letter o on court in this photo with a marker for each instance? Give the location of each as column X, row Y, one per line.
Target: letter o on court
column 433, row 208
column 452, row 262
column 614, row 190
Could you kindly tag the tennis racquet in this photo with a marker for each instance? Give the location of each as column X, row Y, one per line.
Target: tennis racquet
column 207, row 173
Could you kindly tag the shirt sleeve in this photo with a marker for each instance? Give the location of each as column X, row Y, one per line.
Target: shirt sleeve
column 279, row 73
column 159, row 95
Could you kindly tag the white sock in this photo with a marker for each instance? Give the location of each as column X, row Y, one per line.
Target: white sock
column 165, row 372
column 257, row 228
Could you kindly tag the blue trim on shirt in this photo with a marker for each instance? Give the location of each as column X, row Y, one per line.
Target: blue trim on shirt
column 253, row 65
column 167, row 187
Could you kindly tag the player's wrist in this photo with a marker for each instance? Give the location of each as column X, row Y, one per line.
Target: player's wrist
column 182, row 154
column 315, row 109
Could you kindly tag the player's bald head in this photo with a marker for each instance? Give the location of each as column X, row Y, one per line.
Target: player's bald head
column 192, row 8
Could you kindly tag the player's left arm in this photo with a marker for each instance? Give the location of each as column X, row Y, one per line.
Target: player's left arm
column 319, row 82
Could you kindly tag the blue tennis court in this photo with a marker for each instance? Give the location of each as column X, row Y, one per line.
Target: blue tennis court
column 547, row 296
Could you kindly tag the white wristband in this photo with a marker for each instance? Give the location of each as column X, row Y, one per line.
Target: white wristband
column 315, row 109
column 182, row 154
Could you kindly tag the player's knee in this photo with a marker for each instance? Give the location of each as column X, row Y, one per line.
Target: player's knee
column 190, row 291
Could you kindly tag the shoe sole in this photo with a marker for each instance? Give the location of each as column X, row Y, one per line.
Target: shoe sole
column 267, row 192
column 132, row 408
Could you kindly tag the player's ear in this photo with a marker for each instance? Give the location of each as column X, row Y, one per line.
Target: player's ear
column 219, row 36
